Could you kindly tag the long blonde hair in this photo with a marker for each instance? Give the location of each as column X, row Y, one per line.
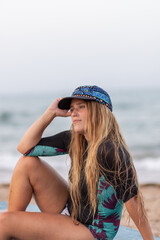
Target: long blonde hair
column 102, row 126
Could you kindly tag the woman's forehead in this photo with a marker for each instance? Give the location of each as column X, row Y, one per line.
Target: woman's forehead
column 76, row 101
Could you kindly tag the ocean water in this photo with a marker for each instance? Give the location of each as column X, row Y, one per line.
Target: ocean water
column 137, row 111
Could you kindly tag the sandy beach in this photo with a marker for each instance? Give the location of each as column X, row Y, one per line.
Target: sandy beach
column 151, row 195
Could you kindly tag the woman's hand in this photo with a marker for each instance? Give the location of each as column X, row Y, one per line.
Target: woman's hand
column 139, row 219
column 57, row 111
column 34, row 133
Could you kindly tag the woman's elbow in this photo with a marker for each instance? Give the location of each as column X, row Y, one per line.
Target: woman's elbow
column 21, row 149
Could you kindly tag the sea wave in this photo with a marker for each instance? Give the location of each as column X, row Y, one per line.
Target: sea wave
column 5, row 116
column 8, row 162
column 148, row 169
column 151, row 164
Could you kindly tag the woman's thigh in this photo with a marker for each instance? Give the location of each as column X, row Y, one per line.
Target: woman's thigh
column 41, row 226
column 50, row 189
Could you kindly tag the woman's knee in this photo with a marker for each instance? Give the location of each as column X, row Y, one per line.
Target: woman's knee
column 5, row 219
column 27, row 164
column 35, row 170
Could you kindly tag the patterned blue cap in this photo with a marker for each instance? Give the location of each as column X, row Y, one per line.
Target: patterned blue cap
column 93, row 93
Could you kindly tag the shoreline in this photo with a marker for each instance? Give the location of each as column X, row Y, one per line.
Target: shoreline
column 151, row 196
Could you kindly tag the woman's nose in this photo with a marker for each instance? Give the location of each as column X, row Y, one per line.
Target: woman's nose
column 74, row 112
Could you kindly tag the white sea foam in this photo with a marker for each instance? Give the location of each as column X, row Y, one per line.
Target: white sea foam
column 148, row 169
column 8, row 162
column 151, row 164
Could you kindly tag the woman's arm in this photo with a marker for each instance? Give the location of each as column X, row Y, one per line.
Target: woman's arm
column 34, row 133
column 141, row 222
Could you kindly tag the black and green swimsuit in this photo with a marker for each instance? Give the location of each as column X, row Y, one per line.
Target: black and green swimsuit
column 111, row 197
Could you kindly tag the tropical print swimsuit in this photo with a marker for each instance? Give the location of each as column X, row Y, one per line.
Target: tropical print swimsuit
column 111, row 197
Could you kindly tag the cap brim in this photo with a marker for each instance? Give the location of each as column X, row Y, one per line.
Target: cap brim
column 65, row 103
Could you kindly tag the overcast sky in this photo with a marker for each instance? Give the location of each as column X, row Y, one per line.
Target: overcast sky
column 59, row 45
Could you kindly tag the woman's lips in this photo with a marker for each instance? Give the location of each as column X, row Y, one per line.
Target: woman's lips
column 76, row 121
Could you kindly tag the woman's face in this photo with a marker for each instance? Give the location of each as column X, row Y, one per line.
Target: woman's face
column 79, row 112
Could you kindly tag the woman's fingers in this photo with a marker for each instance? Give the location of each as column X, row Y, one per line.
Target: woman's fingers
column 59, row 112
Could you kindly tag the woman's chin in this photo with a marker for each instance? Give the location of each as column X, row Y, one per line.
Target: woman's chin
column 79, row 131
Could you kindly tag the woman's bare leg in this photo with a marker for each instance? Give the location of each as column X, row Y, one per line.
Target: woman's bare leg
column 51, row 191
column 41, row 226
column 31, row 175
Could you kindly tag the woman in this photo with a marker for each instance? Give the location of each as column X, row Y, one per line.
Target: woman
column 101, row 179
